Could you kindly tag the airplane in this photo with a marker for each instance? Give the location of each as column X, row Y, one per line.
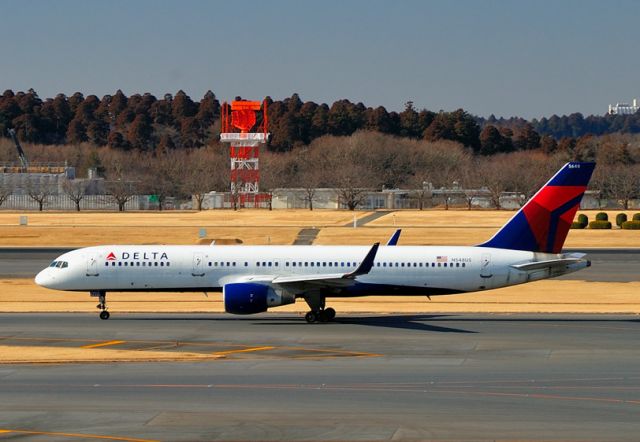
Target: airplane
column 254, row 279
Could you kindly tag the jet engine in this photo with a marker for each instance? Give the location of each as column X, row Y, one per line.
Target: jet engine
column 245, row 298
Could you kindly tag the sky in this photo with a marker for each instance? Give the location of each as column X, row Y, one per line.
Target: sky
column 507, row 58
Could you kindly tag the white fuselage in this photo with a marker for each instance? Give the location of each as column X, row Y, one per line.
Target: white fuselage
column 402, row 270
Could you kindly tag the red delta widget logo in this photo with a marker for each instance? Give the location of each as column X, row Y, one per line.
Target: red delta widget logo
column 138, row 255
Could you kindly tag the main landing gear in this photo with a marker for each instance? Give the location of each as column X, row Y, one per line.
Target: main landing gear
column 102, row 304
column 318, row 311
column 324, row 315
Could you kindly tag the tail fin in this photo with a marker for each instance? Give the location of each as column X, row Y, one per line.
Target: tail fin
column 543, row 223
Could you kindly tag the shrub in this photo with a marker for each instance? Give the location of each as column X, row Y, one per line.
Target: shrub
column 602, row 216
column 599, row 224
column 621, row 218
column 636, row 216
column 577, row 225
column 583, row 219
column 631, row 225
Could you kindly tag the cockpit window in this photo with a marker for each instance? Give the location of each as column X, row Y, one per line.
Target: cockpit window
column 59, row 264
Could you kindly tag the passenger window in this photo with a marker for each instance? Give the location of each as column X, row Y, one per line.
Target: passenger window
column 439, row 264
column 106, row 264
column 312, row 264
column 258, row 263
column 269, row 263
column 234, row 263
column 168, row 264
column 330, row 264
column 155, row 264
column 161, row 263
column 209, row 263
column 293, row 263
column 246, row 264
column 463, row 264
column 306, row 264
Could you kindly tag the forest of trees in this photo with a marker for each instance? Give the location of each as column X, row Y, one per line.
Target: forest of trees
column 147, row 123
column 351, row 165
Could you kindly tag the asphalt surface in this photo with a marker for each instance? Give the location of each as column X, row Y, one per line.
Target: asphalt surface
column 608, row 265
column 435, row 377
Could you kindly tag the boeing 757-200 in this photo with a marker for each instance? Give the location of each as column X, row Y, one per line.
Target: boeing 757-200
column 255, row 278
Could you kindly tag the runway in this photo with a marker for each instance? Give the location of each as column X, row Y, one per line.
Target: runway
column 442, row 377
column 608, row 265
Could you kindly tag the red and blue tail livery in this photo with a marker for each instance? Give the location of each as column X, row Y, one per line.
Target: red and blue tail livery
column 543, row 223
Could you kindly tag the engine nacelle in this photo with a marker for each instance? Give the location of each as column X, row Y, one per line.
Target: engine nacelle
column 247, row 298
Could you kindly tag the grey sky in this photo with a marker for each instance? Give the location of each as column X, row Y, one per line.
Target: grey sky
column 524, row 58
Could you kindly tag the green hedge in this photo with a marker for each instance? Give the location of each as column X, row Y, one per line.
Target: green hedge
column 621, row 218
column 636, row 216
column 599, row 225
column 577, row 225
column 631, row 225
column 602, row 216
column 583, row 219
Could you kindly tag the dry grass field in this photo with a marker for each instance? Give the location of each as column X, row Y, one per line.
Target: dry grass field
column 452, row 227
column 22, row 295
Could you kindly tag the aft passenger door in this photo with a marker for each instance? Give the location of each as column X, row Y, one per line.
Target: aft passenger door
column 486, row 270
column 198, row 264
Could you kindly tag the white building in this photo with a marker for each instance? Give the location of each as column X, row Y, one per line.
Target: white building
column 624, row 108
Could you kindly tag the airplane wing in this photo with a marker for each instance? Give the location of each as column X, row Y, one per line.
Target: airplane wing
column 331, row 279
column 305, row 282
column 394, row 238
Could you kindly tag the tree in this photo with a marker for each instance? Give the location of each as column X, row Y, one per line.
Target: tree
column 491, row 141
column 140, row 131
column 75, row 190
column 76, row 132
column 206, row 170
column 120, row 185
column 6, row 190
column 39, row 192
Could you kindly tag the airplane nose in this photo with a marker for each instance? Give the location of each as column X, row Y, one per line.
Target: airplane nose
column 44, row 278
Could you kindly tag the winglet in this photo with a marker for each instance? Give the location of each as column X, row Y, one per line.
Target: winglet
column 366, row 264
column 394, row 238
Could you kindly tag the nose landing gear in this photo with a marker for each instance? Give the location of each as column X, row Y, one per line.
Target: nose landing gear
column 102, row 303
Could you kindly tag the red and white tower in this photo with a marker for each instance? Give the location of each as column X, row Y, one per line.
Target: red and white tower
column 237, row 120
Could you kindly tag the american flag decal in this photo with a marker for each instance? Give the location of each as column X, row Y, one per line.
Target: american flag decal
column 441, row 259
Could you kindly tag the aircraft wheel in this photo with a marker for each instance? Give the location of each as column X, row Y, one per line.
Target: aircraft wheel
column 104, row 315
column 330, row 313
column 311, row 317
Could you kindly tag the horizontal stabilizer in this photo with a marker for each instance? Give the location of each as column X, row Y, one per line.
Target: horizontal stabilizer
column 546, row 264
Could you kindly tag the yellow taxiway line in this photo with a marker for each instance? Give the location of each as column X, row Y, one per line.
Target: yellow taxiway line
column 103, row 344
column 242, row 350
column 74, row 435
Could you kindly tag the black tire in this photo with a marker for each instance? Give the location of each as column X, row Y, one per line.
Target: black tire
column 330, row 313
column 104, row 315
column 322, row 316
column 311, row 317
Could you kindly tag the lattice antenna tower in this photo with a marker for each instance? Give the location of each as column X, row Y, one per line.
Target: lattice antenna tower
column 239, row 129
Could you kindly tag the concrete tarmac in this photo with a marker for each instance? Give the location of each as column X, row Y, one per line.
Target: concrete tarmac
column 365, row 378
column 608, row 265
